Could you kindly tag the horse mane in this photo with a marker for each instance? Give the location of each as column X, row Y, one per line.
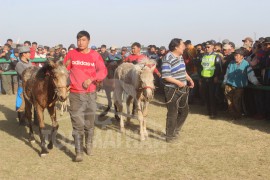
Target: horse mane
column 48, row 67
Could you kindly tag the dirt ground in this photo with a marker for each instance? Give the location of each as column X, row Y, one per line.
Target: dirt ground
column 207, row 149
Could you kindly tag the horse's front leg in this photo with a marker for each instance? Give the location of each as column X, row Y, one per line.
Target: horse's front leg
column 28, row 115
column 145, row 112
column 55, row 125
column 42, row 133
column 140, row 118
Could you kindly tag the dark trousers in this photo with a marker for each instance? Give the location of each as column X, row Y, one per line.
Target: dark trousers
column 82, row 111
column 208, row 88
column 177, row 110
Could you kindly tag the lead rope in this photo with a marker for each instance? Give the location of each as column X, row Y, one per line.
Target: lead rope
column 179, row 99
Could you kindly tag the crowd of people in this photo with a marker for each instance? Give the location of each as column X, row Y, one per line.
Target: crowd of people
column 215, row 74
column 220, row 78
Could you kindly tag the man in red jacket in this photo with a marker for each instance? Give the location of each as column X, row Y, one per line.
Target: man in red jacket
column 86, row 67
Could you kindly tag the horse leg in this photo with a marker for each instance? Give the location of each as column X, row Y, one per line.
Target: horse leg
column 128, row 102
column 145, row 111
column 119, row 106
column 140, row 118
column 40, row 112
column 62, row 108
column 109, row 98
column 28, row 115
column 55, row 125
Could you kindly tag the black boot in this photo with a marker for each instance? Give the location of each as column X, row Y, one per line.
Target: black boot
column 78, row 139
column 89, row 141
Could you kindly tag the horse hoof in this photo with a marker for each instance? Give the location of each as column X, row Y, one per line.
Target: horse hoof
column 50, row 146
column 127, row 123
column 44, row 153
column 142, row 138
column 146, row 135
column 117, row 118
column 123, row 130
column 32, row 141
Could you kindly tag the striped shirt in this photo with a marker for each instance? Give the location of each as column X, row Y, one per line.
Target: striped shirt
column 173, row 67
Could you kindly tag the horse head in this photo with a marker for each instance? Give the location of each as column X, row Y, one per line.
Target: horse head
column 146, row 78
column 59, row 75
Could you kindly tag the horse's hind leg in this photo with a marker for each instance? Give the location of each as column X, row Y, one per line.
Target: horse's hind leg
column 55, row 126
column 42, row 133
column 28, row 115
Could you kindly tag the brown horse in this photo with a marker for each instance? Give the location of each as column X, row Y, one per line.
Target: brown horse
column 42, row 87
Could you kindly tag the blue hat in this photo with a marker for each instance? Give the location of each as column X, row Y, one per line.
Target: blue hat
column 93, row 47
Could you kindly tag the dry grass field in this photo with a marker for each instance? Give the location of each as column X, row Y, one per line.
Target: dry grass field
column 207, row 149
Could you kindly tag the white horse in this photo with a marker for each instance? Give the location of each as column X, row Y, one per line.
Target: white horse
column 137, row 81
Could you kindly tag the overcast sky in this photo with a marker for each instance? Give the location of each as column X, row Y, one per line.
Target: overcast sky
column 121, row 22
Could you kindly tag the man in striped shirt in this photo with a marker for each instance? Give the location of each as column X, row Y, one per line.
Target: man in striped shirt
column 176, row 88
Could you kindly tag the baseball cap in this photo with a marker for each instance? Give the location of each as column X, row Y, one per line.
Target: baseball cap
column 24, row 49
column 93, row 47
column 247, row 39
column 113, row 48
column 162, row 48
column 209, row 43
column 225, row 41
column 227, row 46
column 40, row 46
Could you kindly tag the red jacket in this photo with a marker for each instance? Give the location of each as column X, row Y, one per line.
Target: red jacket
column 82, row 67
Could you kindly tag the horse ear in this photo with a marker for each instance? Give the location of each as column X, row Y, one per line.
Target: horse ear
column 153, row 67
column 151, row 64
column 60, row 63
column 51, row 63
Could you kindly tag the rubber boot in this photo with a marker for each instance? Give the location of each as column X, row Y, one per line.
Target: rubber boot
column 78, row 139
column 89, row 141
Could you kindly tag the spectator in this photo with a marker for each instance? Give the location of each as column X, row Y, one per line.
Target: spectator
column 236, row 78
column 10, row 42
column 6, row 79
column 63, row 53
column 71, row 47
column 27, row 43
column 114, row 59
column 248, row 41
column 124, row 52
column 40, row 52
column 104, row 53
column 33, row 50
column 58, row 53
column 50, row 56
column 210, row 72
column 232, row 46
column 151, row 53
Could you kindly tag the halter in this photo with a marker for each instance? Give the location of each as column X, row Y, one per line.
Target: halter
column 56, row 88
